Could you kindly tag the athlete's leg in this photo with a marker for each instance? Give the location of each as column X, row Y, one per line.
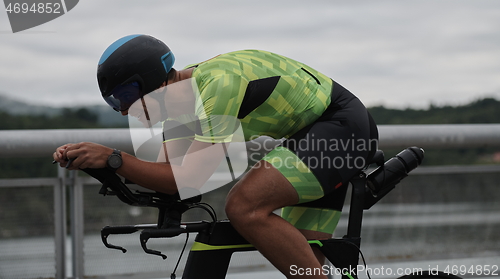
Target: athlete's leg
column 250, row 206
column 313, row 223
column 310, row 235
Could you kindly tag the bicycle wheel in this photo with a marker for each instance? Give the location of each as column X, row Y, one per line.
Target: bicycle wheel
column 427, row 274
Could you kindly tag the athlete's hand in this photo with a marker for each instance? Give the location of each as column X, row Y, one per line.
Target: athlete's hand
column 85, row 155
column 59, row 155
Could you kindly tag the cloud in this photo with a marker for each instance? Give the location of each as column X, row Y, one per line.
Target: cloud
column 391, row 52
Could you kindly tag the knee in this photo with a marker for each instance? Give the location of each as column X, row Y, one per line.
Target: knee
column 242, row 212
column 235, row 208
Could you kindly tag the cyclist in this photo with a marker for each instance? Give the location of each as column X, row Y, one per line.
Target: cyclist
column 328, row 136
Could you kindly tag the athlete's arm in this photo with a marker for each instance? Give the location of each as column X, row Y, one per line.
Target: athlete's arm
column 198, row 165
column 173, row 152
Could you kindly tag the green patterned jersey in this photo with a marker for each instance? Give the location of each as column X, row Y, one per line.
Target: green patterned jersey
column 270, row 94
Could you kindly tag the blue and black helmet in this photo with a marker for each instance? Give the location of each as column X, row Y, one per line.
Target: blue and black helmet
column 132, row 67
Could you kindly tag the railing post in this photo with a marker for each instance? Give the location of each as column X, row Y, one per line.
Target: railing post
column 60, row 223
column 76, row 205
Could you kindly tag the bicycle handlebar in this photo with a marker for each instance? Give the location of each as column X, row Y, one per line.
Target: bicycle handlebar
column 170, row 232
column 106, row 231
column 171, row 209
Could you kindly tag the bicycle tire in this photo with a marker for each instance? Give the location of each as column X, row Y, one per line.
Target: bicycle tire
column 427, row 274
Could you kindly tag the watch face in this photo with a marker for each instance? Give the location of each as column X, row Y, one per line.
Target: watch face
column 114, row 161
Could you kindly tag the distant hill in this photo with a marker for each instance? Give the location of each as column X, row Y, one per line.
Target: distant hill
column 16, row 107
column 106, row 117
column 481, row 111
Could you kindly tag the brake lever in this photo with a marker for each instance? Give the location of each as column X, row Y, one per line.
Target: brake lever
column 106, row 231
column 158, row 233
column 111, row 246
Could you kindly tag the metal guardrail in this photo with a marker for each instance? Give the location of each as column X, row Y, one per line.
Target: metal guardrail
column 38, row 143
column 34, row 143
column 31, row 143
column 59, row 185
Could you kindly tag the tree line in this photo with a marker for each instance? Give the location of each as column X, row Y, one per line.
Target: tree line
column 485, row 110
column 67, row 119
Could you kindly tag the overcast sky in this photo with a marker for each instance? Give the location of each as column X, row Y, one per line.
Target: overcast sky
column 394, row 53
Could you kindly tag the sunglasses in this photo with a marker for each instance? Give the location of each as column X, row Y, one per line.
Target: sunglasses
column 123, row 96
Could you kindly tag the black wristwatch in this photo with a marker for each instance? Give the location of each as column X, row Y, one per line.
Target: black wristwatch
column 114, row 160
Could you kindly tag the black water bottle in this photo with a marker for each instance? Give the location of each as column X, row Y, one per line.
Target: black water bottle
column 385, row 177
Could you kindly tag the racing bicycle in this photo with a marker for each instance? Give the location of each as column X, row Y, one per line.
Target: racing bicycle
column 216, row 240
